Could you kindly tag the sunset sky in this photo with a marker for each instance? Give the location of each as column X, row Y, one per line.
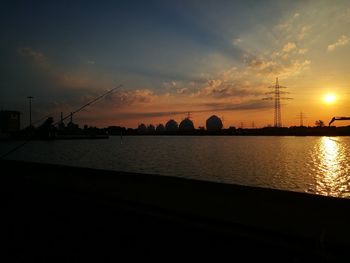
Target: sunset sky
column 174, row 57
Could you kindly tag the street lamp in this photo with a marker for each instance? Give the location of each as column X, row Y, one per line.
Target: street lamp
column 30, row 110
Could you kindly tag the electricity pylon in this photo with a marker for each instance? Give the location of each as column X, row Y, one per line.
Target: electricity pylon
column 277, row 105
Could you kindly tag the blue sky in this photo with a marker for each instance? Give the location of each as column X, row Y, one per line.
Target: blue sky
column 172, row 57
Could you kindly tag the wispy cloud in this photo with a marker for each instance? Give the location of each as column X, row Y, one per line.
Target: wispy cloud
column 143, row 115
column 248, row 105
column 74, row 80
column 225, row 89
column 289, row 47
column 303, row 51
column 270, row 68
column 169, row 85
column 209, row 107
column 35, row 55
column 80, row 78
column 342, row 41
column 129, row 98
column 304, row 30
column 237, row 41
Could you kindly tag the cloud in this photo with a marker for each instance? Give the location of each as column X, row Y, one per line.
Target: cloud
column 36, row 56
column 342, row 41
column 302, row 51
column 79, row 78
column 303, row 31
column 154, row 114
column 74, row 80
column 168, row 85
column 237, row 41
column 289, row 47
column 119, row 105
column 289, row 23
column 221, row 89
column 249, row 81
column 271, row 68
column 291, row 68
column 261, row 64
column 128, row 98
column 209, row 107
column 248, row 105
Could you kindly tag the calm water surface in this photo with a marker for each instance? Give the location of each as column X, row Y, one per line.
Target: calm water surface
column 306, row 164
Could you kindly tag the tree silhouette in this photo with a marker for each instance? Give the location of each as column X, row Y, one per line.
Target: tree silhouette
column 319, row 123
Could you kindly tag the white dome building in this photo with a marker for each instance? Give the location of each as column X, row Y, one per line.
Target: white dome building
column 171, row 126
column 214, row 123
column 186, row 125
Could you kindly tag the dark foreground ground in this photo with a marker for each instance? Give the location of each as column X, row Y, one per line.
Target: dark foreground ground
column 57, row 214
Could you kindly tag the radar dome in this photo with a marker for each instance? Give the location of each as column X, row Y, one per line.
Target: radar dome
column 171, row 125
column 186, row 125
column 214, row 123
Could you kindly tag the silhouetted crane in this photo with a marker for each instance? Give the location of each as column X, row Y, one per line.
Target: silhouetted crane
column 49, row 121
column 85, row 105
column 338, row 119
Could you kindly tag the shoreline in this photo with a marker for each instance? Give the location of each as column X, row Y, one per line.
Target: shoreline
column 14, row 139
column 104, row 133
column 300, row 225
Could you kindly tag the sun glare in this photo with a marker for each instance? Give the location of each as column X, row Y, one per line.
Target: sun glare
column 329, row 98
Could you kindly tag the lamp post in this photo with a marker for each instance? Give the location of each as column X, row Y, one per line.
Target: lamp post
column 30, row 110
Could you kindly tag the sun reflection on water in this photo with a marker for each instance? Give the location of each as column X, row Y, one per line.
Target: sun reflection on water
column 332, row 168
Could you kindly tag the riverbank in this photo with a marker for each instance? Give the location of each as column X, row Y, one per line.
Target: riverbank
column 104, row 133
column 67, row 213
column 266, row 131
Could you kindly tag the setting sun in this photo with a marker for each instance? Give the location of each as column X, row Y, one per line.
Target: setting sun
column 329, row 98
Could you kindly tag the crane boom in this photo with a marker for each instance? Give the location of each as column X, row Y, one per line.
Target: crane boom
column 87, row 104
column 338, row 119
column 77, row 110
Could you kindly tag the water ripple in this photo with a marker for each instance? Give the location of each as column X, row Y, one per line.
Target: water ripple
column 318, row 165
column 331, row 167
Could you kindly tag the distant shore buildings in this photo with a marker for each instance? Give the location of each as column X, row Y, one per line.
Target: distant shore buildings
column 171, row 126
column 10, row 129
column 186, row 125
column 213, row 124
